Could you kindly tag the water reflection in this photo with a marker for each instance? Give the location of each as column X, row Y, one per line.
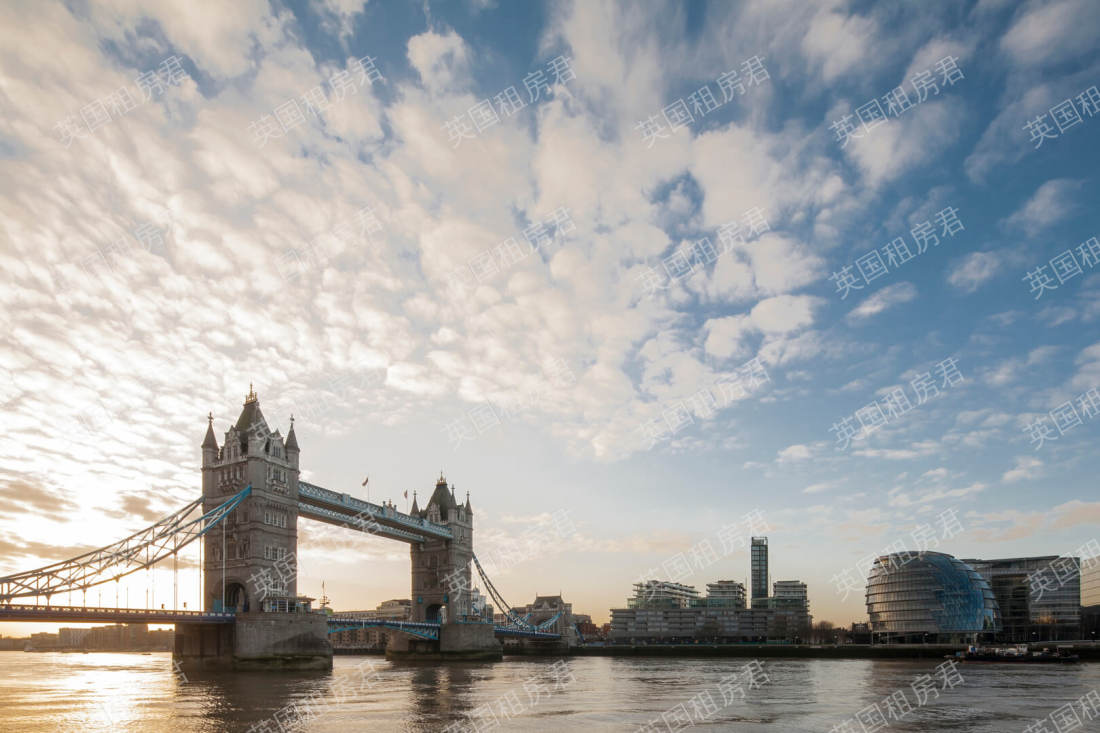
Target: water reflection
column 125, row 692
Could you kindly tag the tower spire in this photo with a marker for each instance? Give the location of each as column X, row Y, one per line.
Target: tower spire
column 210, row 441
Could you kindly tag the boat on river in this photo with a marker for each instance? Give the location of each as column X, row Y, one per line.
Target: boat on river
column 1015, row 655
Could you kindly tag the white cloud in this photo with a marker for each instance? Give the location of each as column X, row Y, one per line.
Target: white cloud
column 917, row 450
column 974, row 270
column 1026, row 467
column 784, row 313
column 883, row 299
column 1050, row 203
column 441, row 59
column 725, row 336
column 819, row 487
column 728, row 336
column 793, row 453
column 902, row 144
column 835, row 43
column 1047, row 32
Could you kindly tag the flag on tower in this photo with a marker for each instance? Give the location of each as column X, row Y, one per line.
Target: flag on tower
column 406, row 493
column 365, row 481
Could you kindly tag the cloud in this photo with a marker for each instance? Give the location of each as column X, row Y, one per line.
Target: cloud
column 784, row 313
column 17, row 493
column 1051, row 203
column 902, row 144
column 1026, row 468
column 1010, row 370
column 883, row 299
column 441, row 60
column 728, row 336
column 927, row 496
column 1047, row 32
column 917, row 450
column 794, row 453
column 725, row 336
column 835, row 43
column 1023, row 524
column 820, row 486
column 974, row 270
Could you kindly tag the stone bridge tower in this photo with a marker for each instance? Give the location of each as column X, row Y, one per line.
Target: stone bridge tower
column 441, row 568
column 261, row 535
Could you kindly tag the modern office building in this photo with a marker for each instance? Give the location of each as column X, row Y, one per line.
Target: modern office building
column 929, row 597
column 1090, row 581
column 725, row 594
column 662, row 594
column 686, row 625
column 790, row 599
column 672, row 613
column 1039, row 598
column 790, row 593
column 663, row 611
column 758, row 560
column 1090, row 598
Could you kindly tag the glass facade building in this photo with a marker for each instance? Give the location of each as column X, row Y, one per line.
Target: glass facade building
column 1090, row 581
column 662, row 594
column 915, row 597
column 758, row 559
column 1039, row 597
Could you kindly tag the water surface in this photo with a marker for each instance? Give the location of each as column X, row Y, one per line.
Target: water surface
column 131, row 692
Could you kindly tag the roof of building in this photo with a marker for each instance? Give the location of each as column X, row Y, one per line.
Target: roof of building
column 442, row 497
column 210, row 441
column 291, row 439
column 551, row 599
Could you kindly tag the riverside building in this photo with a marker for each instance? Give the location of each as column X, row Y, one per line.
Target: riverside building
column 1039, row 597
column 758, row 560
column 915, row 597
column 669, row 612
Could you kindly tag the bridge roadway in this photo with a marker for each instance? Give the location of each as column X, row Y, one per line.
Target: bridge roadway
column 345, row 510
column 427, row 629
column 79, row 614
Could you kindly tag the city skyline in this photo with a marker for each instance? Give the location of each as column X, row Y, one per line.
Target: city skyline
column 656, row 311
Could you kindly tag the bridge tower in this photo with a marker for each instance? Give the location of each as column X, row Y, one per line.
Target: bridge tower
column 440, row 567
column 259, row 571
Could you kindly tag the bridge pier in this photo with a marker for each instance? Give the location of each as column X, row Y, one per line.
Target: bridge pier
column 203, row 646
column 257, row 641
column 457, row 642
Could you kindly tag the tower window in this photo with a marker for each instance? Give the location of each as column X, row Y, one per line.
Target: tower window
column 275, row 518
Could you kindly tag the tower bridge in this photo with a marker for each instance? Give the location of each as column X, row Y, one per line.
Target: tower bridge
column 252, row 614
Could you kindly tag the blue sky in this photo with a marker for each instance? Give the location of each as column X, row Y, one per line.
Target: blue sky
column 353, row 263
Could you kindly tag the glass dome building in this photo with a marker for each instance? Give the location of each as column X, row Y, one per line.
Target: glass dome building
column 915, row 597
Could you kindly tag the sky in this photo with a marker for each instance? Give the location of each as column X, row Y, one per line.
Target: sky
column 644, row 281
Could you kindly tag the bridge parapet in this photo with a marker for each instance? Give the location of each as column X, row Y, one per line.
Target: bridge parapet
column 28, row 612
column 329, row 499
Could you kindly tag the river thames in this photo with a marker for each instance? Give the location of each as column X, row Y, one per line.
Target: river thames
column 132, row 692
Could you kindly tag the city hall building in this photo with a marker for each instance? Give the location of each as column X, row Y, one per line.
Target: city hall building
column 929, row 597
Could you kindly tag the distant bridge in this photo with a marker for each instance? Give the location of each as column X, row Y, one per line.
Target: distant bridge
column 429, row 630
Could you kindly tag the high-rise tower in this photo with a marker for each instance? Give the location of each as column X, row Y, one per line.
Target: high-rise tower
column 249, row 562
column 759, row 564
